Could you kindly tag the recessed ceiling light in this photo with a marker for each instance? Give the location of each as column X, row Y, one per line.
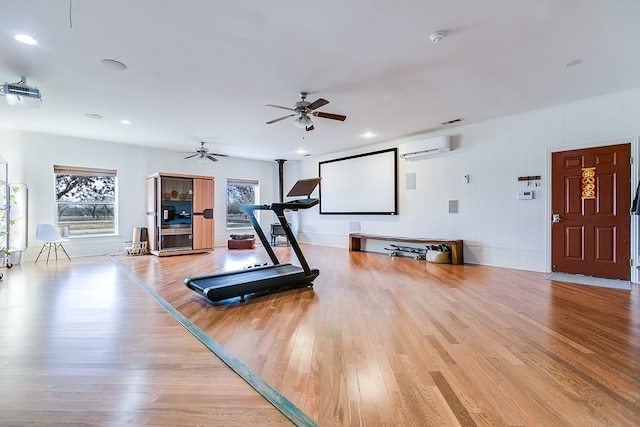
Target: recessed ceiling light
column 368, row 134
column 114, row 65
column 574, row 62
column 26, row 39
column 93, row 116
column 125, row 122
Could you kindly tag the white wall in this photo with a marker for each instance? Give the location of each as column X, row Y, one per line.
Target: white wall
column 31, row 157
column 497, row 229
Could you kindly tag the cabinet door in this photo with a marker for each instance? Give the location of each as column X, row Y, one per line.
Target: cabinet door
column 203, row 223
column 175, row 212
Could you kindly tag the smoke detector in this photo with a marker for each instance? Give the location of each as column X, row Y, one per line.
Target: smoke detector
column 437, row 36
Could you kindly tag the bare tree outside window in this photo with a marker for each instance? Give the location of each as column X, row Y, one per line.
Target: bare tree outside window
column 240, row 192
column 85, row 200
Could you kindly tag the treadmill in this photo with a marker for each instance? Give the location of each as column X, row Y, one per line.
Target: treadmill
column 267, row 278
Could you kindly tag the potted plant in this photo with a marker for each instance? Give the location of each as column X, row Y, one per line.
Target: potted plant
column 4, row 258
column 11, row 250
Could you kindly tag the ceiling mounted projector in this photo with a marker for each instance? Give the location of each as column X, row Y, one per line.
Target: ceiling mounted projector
column 21, row 95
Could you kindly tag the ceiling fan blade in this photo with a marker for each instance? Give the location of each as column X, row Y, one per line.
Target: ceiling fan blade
column 193, row 155
column 317, row 104
column 218, row 155
column 329, row 116
column 280, row 118
column 279, row 106
column 309, row 128
column 210, row 157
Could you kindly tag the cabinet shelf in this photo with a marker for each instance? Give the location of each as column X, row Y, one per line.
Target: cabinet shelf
column 174, row 231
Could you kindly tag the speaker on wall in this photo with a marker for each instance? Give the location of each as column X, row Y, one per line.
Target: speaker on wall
column 410, row 179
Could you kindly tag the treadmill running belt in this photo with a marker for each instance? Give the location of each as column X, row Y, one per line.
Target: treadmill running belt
column 221, row 286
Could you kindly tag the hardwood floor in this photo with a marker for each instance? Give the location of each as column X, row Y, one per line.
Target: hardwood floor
column 82, row 344
column 377, row 341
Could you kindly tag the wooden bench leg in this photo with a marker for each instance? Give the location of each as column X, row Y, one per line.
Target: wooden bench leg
column 355, row 243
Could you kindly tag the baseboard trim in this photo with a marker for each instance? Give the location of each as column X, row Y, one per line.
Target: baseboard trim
column 590, row 281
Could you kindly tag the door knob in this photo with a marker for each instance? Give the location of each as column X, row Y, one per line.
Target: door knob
column 556, row 218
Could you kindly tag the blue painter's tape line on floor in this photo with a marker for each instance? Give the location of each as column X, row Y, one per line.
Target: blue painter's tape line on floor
column 283, row 404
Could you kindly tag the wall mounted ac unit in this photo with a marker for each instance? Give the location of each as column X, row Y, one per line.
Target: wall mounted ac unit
column 424, row 147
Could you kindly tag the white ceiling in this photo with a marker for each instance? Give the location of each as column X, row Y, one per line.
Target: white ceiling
column 204, row 69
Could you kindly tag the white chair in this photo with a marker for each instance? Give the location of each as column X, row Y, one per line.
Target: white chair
column 51, row 239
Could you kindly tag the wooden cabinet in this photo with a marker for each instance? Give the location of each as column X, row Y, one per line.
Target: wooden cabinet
column 180, row 213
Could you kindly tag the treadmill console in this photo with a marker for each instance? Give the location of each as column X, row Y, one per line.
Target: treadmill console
column 299, row 204
column 303, row 187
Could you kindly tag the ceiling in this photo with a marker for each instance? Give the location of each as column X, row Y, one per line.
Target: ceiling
column 203, row 70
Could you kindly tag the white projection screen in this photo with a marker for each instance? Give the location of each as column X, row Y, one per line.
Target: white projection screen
column 365, row 184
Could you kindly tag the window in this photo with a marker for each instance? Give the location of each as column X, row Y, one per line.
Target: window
column 240, row 192
column 85, row 200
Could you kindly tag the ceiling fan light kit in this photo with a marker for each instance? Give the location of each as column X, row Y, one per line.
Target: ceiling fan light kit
column 303, row 109
column 303, row 122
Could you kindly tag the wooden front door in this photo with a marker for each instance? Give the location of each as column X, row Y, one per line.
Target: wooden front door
column 591, row 224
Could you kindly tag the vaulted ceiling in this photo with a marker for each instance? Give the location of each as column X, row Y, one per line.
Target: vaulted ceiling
column 204, row 70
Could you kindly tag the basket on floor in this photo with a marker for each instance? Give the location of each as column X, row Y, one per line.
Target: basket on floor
column 135, row 248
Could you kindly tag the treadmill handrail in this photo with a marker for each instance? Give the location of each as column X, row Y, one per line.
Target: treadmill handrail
column 249, row 210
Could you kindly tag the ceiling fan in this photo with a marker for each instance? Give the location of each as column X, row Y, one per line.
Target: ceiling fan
column 303, row 109
column 203, row 154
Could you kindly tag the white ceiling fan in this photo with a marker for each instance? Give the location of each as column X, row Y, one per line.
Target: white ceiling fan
column 202, row 153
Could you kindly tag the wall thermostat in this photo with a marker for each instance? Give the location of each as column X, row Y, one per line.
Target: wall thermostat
column 525, row 194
